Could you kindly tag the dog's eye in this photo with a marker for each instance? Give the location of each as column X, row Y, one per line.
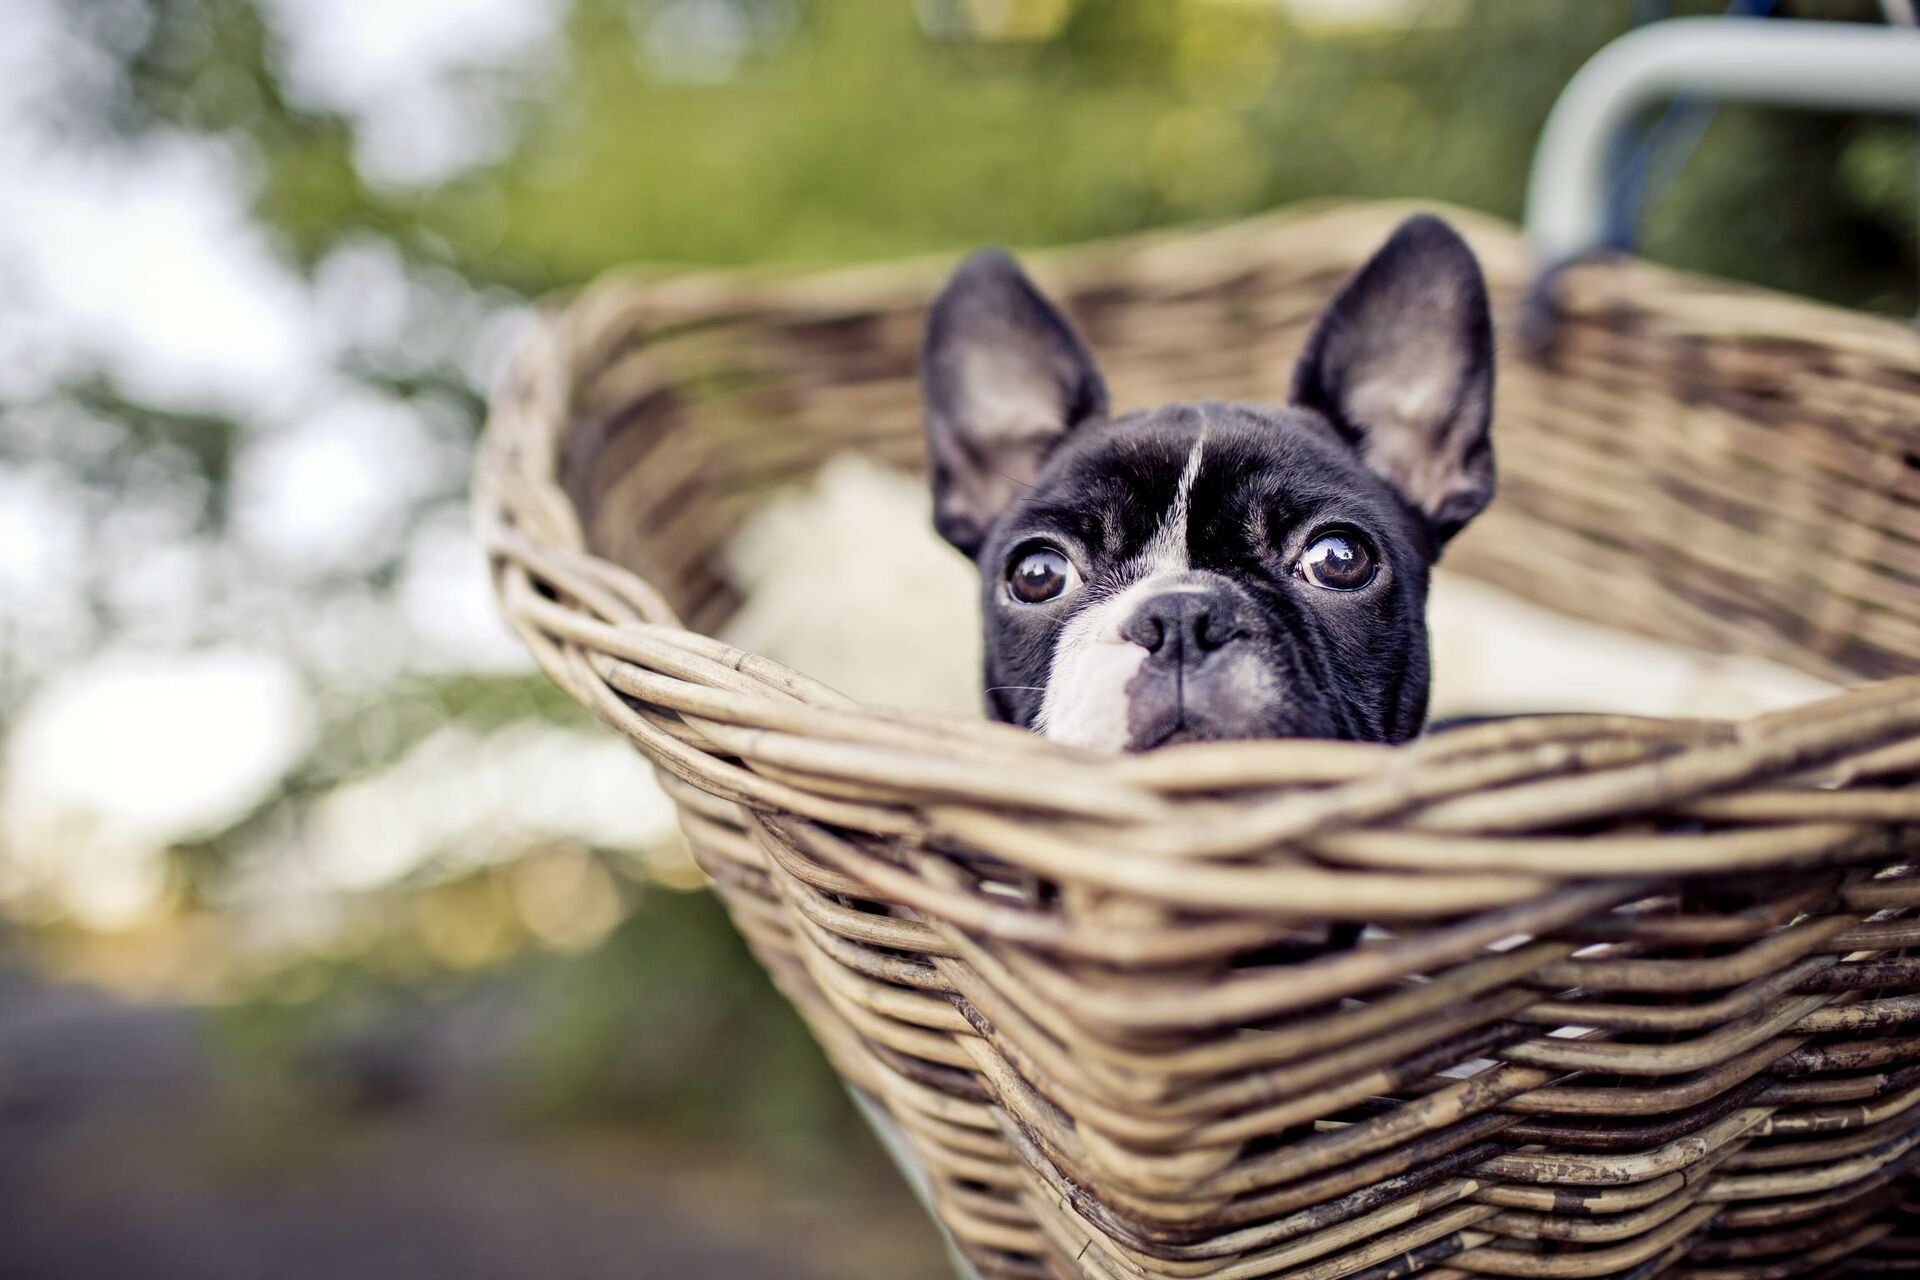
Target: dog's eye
column 1338, row 562
column 1040, row 575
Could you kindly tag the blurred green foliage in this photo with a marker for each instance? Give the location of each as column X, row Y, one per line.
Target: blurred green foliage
column 853, row 135
column 356, row 738
column 670, row 1023
column 668, row 1026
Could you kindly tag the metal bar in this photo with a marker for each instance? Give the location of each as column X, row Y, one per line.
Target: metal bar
column 1837, row 66
column 894, row 1143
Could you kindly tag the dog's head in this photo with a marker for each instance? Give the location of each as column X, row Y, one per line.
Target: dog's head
column 1213, row 570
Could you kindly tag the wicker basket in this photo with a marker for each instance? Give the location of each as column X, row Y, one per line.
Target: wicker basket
column 1637, row 999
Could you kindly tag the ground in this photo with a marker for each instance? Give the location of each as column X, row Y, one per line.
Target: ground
column 124, row 1156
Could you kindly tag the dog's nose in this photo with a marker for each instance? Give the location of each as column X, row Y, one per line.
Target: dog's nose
column 1183, row 627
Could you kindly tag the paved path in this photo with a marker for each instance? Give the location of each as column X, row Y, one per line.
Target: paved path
column 121, row 1159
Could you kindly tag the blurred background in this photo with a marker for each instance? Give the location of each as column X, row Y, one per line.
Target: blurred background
column 331, row 937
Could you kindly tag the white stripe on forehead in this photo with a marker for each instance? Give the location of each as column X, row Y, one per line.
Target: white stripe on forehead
column 1085, row 703
column 1166, row 551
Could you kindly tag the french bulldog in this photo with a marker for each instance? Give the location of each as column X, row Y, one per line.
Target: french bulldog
column 1213, row 570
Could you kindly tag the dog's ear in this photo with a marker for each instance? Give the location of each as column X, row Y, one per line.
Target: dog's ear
column 1402, row 364
column 1003, row 378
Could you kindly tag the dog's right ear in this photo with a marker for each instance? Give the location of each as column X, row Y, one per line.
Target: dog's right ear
column 1003, row 378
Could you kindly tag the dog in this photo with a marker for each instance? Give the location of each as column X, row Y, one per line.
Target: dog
column 1213, row 571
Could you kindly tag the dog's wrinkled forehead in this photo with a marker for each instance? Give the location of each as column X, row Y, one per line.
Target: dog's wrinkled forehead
column 1192, row 476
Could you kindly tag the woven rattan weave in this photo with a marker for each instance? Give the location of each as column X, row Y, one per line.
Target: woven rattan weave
column 1636, row 998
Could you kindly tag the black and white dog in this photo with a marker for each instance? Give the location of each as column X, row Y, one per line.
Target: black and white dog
column 1203, row 571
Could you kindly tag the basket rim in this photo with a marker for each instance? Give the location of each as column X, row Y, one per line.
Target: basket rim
column 1474, row 814
column 1178, row 250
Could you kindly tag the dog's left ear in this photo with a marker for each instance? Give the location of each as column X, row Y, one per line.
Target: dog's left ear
column 1402, row 364
column 1003, row 378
